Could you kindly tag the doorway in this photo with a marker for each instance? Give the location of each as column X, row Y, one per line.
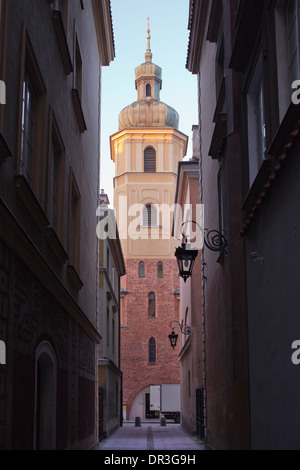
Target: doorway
column 45, row 402
column 150, row 414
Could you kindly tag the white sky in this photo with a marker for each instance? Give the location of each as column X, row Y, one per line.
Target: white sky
column 169, row 43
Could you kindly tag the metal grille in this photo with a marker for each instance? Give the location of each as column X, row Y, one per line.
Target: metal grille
column 149, row 216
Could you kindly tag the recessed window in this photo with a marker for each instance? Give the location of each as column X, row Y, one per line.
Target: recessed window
column 256, row 120
column 148, row 91
column 56, row 170
column 74, row 223
column 149, row 160
column 32, row 120
column 78, row 69
column 160, row 270
column 28, row 127
column 107, row 326
column 287, row 50
column 152, row 351
column 149, row 216
column 141, row 269
column 151, row 305
column 220, row 67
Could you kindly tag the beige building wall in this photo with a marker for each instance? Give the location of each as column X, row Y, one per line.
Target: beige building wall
column 134, row 188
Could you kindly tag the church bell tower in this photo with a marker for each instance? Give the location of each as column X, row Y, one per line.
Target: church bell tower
column 146, row 151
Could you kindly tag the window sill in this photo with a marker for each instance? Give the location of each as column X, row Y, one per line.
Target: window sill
column 152, row 363
column 56, row 245
column 62, row 42
column 4, row 149
column 78, row 110
column 74, row 277
column 31, row 203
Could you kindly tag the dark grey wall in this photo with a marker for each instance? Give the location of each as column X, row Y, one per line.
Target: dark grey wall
column 274, row 313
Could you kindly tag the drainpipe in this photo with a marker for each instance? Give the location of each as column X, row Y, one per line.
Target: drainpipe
column 203, row 278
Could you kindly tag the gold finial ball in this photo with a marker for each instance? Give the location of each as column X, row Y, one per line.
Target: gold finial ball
column 148, row 37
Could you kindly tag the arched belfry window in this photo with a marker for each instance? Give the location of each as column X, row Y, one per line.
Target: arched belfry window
column 152, row 351
column 151, row 304
column 141, row 269
column 149, row 216
column 148, row 91
column 149, row 160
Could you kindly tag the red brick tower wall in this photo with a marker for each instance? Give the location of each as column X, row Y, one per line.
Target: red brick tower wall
column 138, row 328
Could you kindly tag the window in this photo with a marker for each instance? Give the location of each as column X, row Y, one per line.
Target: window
column 221, row 201
column 32, row 120
column 151, row 305
column 141, row 269
column 148, row 91
column 149, row 215
column 77, row 85
column 220, row 67
column 152, row 351
column 78, row 69
column 293, row 39
column 107, row 262
column 63, row 7
column 113, row 336
column 149, row 160
column 28, row 124
column 256, row 120
column 107, row 326
column 74, row 223
column 287, row 48
column 160, row 270
column 56, row 177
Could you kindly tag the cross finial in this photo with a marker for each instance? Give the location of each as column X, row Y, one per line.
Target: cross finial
column 148, row 55
column 148, row 23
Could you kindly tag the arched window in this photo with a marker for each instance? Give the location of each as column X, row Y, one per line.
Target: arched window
column 149, row 216
column 149, row 160
column 151, row 304
column 152, row 351
column 160, row 270
column 148, row 91
column 141, row 269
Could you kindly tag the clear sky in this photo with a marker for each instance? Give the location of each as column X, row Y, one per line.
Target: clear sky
column 169, row 43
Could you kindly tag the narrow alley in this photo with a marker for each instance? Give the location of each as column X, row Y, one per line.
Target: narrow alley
column 150, row 436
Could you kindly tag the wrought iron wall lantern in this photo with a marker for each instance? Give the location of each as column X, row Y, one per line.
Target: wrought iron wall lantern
column 185, row 255
column 185, row 329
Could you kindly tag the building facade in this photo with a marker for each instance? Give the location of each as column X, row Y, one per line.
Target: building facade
column 51, row 59
column 146, row 151
column 224, row 313
column 249, row 142
column 191, row 362
column 112, row 268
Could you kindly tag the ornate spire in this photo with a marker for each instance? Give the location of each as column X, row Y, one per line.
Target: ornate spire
column 148, row 55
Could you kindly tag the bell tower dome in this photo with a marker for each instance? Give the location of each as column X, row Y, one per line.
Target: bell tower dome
column 148, row 110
